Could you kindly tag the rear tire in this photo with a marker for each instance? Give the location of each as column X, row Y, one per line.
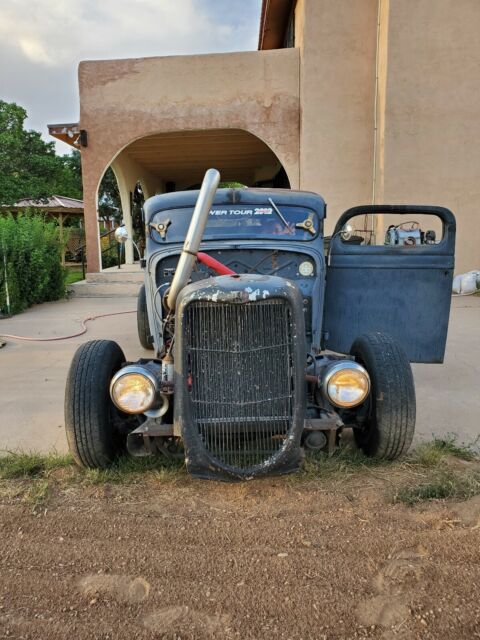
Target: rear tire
column 93, row 438
column 388, row 430
column 143, row 327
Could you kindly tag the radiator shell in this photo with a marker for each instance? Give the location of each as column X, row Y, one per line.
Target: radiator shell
column 274, row 293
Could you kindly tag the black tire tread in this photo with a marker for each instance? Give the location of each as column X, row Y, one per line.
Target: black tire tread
column 143, row 326
column 91, row 437
column 392, row 423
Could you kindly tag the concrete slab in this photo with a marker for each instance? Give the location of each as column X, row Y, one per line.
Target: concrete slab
column 32, row 374
column 86, row 289
column 125, row 268
column 110, row 283
column 448, row 397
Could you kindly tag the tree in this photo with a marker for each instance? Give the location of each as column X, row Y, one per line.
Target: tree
column 70, row 180
column 29, row 166
column 109, row 205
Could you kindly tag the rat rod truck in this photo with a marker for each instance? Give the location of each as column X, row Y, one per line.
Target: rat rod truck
column 262, row 344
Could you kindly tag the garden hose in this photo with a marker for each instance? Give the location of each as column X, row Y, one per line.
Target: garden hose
column 73, row 335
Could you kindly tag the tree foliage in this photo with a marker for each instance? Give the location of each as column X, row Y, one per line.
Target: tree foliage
column 109, row 205
column 29, row 166
column 70, row 181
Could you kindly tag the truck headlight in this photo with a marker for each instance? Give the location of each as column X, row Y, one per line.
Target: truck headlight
column 134, row 389
column 346, row 384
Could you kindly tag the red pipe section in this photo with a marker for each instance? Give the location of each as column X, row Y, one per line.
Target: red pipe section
column 217, row 266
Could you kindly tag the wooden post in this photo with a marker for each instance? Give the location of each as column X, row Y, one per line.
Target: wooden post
column 60, row 224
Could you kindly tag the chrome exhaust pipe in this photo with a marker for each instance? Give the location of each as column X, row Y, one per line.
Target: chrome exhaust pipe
column 194, row 235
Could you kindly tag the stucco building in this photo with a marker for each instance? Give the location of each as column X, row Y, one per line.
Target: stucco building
column 363, row 101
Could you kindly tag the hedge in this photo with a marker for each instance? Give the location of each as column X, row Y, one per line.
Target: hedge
column 30, row 261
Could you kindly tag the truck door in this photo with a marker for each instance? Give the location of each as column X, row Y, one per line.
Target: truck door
column 401, row 289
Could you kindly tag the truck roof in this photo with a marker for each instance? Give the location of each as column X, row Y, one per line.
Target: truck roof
column 286, row 197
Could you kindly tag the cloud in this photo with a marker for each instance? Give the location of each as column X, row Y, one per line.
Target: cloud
column 35, row 51
column 52, row 32
column 42, row 42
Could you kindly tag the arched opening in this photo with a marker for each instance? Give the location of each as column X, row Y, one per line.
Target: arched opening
column 177, row 161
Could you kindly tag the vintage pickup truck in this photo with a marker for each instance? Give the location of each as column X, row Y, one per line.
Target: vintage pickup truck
column 264, row 344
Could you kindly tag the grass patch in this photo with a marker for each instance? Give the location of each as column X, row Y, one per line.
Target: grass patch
column 72, row 275
column 427, row 474
column 31, row 465
column 434, row 453
column 126, row 470
column 446, row 485
column 345, row 461
column 34, row 478
column 443, row 480
column 37, row 494
column 129, row 470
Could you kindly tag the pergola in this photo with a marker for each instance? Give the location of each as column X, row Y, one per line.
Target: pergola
column 59, row 207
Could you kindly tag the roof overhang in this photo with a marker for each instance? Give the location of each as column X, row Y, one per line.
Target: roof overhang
column 53, row 204
column 274, row 22
column 44, row 208
column 69, row 133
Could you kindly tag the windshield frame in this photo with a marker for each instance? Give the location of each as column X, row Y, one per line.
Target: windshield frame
column 169, row 214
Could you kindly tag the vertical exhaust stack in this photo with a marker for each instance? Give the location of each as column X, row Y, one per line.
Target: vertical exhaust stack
column 194, row 235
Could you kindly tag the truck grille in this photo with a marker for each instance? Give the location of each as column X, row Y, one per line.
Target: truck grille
column 240, row 368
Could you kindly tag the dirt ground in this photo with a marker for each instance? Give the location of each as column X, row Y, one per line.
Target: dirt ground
column 276, row 558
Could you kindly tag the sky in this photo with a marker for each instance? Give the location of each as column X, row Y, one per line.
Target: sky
column 42, row 42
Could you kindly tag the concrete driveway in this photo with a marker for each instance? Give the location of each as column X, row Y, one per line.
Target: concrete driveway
column 32, row 374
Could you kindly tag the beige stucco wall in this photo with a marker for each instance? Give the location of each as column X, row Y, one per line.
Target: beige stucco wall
column 122, row 100
column 337, row 44
column 432, row 113
column 357, row 113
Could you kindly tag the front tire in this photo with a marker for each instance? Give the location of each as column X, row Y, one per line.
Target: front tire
column 388, row 430
column 93, row 438
column 143, row 327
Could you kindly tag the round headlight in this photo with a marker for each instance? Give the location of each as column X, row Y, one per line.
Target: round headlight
column 346, row 384
column 133, row 389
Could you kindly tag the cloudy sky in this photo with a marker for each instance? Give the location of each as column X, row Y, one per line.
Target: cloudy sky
column 42, row 42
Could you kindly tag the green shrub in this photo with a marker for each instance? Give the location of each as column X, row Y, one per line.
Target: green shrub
column 31, row 247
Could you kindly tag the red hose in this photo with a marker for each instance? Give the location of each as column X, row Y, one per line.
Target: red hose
column 217, row 266
column 73, row 335
column 204, row 258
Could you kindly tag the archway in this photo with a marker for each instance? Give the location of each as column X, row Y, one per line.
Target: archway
column 176, row 161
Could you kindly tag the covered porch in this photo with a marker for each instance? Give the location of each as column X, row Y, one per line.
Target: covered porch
column 176, row 161
column 162, row 122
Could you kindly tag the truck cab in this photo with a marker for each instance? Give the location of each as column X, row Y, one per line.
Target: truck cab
column 251, row 231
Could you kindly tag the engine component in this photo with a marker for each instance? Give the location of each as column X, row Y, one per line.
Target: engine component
column 167, row 368
column 216, row 265
column 409, row 234
column 194, row 235
column 429, row 237
column 148, row 438
column 315, row 441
